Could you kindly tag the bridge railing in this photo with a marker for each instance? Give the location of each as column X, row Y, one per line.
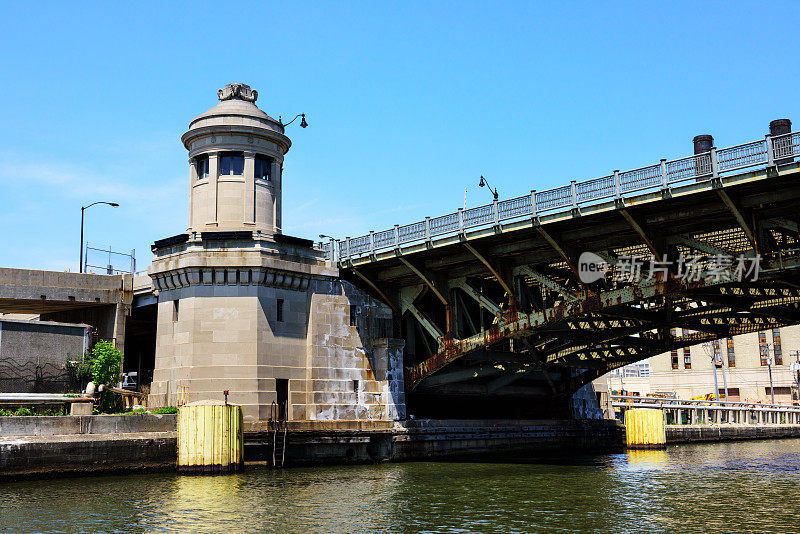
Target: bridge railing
column 711, row 411
column 661, row 176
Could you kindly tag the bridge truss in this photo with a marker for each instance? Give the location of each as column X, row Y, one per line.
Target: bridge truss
column 502, row 310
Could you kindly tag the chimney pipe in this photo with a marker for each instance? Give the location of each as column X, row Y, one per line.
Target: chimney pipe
column 702, row 143
column 782, row 145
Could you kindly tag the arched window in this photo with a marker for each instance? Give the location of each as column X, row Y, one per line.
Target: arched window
column 231, row 163
column 263, row 164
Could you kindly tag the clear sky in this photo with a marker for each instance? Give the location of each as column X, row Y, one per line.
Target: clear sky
column 408, row 103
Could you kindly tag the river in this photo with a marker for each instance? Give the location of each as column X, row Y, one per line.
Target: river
column 749, row 486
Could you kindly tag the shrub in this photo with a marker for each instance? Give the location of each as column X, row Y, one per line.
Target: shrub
column 167, row 409
column 23, row 411
column 106, row 360
column 5, row 413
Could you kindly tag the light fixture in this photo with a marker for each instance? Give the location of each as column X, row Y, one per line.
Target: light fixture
column 485, row 183
column 303, row 123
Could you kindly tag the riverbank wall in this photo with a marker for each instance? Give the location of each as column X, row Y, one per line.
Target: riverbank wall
column 62, row 446
column 41, row 446
column 729, row 432
column 311, row 442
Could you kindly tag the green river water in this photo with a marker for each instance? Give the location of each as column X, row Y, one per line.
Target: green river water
column 730, row 487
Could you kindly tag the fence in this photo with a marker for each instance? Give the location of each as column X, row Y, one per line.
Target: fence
column 661, row 176
column 108, row 255
column 678, row 411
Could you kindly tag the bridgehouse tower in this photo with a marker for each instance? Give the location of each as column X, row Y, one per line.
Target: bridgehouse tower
column 244, row 308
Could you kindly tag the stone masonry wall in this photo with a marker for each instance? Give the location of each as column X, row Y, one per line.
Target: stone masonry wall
column 332, row 342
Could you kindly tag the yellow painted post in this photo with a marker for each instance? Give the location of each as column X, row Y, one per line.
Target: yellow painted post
column 644, row 429
column 210, row 437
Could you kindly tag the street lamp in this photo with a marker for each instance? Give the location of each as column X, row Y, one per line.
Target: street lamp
column 485, row 183
column 84, row 208
column 303, row 123
column 332, row 239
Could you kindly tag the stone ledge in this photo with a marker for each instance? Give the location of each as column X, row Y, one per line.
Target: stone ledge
column 83, row 454
column 68, row 425
column 728, row 432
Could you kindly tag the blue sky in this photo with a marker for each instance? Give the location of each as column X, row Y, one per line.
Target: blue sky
column 408, row 103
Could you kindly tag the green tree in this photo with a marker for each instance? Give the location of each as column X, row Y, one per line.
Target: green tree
column 106, row 363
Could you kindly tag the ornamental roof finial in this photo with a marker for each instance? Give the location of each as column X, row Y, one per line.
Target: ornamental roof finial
column 239, row 91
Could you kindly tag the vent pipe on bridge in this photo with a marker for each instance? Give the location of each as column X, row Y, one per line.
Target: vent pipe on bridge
column 780, row 127
column 703, row 143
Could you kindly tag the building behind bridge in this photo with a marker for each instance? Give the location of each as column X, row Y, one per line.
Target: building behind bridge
column 742, row 361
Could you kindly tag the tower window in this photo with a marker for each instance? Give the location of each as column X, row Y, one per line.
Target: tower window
column 262, row 167
column 201, row 164
column 231, row 163
column 279, row 310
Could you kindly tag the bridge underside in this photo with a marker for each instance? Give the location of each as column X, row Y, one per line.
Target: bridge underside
column 499, row 319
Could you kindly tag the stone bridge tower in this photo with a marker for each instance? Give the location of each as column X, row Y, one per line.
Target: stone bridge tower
column 244, row 308
column 235, row 159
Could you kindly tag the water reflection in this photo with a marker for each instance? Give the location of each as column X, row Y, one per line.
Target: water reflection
column 741, row 487
column 645, row 459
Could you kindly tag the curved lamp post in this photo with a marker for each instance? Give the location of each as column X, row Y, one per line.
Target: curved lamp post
column 303, row 122
column 84, row 208
column 485, row 183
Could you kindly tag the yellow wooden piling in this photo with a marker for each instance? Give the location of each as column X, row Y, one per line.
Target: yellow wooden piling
column 644, row 429
column 210, row 437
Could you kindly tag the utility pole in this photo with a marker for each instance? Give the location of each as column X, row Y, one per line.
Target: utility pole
column 795, row 368
column 709, row 349
column 771, row 389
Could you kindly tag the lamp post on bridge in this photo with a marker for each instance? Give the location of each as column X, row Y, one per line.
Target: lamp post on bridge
column 332, row 239
column 84, row 208
column 485, row 183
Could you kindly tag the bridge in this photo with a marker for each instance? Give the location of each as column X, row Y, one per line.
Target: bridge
column 492, row 302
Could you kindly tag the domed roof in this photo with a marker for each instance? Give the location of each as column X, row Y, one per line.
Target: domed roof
column 236, row 107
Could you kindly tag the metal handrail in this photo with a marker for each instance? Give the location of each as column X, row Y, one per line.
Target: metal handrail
column 659, row 177
column 693, row 403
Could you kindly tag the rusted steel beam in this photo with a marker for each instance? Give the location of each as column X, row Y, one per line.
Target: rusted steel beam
column 546, row 281
column 751, row 236
column 464, row 375
column 426, row 323
column 561, row 252
column 478, row 297
column 524, row 323
column 491, row 268
column 507, row 379
column 427, row 280
column 642, row 234
column 699, row 245
column 377, row 290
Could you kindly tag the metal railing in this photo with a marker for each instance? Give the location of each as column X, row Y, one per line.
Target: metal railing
column 710, row 411
column 661, row 176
